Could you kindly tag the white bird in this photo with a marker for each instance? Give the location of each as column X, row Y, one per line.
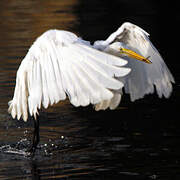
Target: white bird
column 60, row 64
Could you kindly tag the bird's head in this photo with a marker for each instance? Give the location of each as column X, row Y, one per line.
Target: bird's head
column 121, row 49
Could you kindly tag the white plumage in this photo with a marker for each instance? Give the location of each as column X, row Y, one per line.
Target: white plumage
column 60, row 64
column 143, row 77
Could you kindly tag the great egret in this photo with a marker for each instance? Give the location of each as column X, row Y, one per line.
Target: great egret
column 60, row 64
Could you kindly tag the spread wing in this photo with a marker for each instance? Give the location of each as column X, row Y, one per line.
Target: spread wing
column 143, row 77
column 59, row 64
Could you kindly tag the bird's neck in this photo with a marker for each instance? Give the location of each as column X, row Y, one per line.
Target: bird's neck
column 100, row 45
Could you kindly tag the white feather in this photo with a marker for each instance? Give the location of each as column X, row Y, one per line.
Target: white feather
column 59, row 64
column 143, row 77
column 110, row 103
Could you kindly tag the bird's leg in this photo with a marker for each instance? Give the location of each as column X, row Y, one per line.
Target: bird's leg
column 35, row 139
column 35, row 134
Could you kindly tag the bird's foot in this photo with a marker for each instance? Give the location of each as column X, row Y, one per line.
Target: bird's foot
column 30, row 152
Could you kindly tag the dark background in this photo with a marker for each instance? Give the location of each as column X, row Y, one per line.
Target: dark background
column 159, row 18
column 139, row 140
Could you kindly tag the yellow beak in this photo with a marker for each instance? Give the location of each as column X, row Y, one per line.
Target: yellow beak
column 134, row 55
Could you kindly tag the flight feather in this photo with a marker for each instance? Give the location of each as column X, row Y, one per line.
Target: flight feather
column 60, row 64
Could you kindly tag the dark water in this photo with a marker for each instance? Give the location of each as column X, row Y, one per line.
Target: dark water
column 139, row 140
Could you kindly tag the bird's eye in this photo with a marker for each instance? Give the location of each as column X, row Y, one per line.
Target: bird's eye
column 120, row 49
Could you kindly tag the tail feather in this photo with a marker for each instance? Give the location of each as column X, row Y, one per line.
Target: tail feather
column 111, row 103
column 115, row 100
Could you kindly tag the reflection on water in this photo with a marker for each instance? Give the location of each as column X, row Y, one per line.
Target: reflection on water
column 136, row 141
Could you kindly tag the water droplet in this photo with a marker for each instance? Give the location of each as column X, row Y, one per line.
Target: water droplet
column 153, row 176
